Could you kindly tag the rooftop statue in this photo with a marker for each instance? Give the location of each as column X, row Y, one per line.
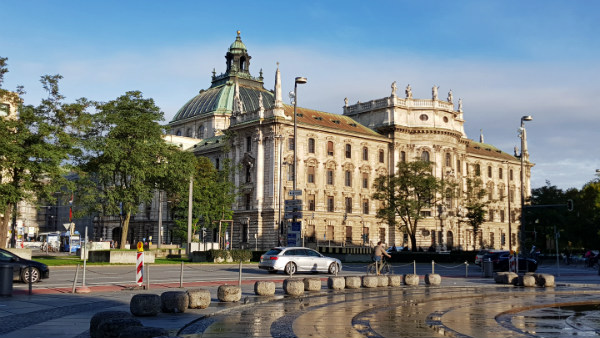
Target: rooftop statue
column 460, row 108
column 408, row 92
column 434, row 92
column 450, row 96
column 394, row 88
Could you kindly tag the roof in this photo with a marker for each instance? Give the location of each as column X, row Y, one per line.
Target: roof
column 219, row 99
column 484, row 149
column 237, row 45
column 328, row 120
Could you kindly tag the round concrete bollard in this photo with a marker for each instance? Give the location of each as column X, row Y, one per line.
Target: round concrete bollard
column 174, row 301
column 293, row 287
column 229, row 293
column 264, row 288
column 394, row 280
column 370, row 281
column 143, row 332
column 199, row 298
column 411, row 279
column 433, row 279
column 382, row 281
column 545, row 280
column 112, row 328
column 336, row 282
column 352, row 282
column 527, row 280
column 145, row 304
column 100, row 317
column 312, row 284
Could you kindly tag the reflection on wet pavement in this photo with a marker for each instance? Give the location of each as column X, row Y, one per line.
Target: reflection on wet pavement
column 414, row 312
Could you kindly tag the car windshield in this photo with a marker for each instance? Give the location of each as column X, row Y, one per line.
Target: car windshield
column 273, row 252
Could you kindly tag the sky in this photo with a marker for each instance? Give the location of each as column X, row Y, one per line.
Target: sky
column 505, row 59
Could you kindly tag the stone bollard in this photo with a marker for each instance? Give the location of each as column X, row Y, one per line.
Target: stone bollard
column 174, row 301
column 433, row 279
column 527, row 280
column 499, row 277
column 544, row 279
column 293, row 287
column 229, row 293
column 382, row 281
column 199, row 298
column 103, row 316
column 312, row 284
column 143, row 332
column 112, row 328
column 370, row 281
column 145, row 304
column 352, row 282
column 395, row 280
column 336, row 282
column 264, row 288
column 411, row 279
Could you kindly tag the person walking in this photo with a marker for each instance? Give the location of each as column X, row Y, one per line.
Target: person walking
column 378, row 254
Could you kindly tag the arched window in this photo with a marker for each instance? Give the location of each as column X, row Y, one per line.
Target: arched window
column 490, row 171
column 201, row 131
column 348, row 178
column 381, row 156
column 500, row 173
column 510, row 174
column 311, row 145
column 188, row 132
column 425, row 156
column 403, row 156
column 178, row 133
column 448, row 160
column 477, row 170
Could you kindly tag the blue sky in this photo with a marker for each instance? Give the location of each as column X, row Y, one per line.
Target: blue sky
column 505, row 59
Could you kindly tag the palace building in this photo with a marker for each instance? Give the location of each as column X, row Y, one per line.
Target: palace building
column 338, row 156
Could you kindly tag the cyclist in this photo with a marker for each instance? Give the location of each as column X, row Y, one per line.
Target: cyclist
column 378, row 254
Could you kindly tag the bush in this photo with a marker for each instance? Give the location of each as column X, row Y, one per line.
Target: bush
column 240, row 255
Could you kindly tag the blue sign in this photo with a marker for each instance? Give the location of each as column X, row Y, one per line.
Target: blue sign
column 297, row 226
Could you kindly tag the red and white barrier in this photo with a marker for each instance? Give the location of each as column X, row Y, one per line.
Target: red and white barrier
column 139, row 275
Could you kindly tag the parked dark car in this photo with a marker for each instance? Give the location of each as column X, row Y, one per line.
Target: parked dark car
column 500, row 261
column 21, row 267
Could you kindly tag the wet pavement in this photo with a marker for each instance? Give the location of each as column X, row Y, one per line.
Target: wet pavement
column 459, row 307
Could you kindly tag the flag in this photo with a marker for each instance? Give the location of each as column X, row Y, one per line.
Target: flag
column 70, row 213
column 71, row 200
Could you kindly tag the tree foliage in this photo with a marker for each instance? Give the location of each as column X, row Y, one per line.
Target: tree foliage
column 37, row 146
column 127, row 159
column 405, row 194
column 213, row 196
column 475, row 204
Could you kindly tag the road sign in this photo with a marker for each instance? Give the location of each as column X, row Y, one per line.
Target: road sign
column 293, row 202
column 295, row 192
column 296, row 226
column 290, row 215
column 293, row 208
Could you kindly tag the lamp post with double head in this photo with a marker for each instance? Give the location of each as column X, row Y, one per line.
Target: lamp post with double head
column 524, row 153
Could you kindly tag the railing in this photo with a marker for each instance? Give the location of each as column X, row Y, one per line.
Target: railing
column 406, row 103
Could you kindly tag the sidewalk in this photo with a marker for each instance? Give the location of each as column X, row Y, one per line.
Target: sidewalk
column 58, row 313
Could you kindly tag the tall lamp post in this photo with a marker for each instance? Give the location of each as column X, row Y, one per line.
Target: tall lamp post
column 298, row 80
column 524, row 153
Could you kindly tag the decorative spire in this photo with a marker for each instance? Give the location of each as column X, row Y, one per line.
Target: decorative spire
column 481, row 136
column 238, row 107
column 278, row 98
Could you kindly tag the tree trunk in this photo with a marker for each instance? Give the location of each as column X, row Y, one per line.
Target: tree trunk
column 125, row 230
column 413, row 242
column 4, row 227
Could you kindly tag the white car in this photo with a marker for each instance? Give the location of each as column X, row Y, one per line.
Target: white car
column 295, row 259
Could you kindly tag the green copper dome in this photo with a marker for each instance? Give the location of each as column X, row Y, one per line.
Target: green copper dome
column 237, row 47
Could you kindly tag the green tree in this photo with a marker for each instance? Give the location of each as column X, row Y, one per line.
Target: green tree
column 475, row 205
column 127, row 160
column 405, row 194
column 37, row 146
column 213, row 196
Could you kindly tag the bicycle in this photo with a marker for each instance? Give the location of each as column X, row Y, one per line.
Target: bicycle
column 384, row 267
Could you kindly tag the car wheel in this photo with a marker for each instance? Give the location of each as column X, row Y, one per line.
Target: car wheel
column 333, row 269
column 35, row 275
column 290, row 268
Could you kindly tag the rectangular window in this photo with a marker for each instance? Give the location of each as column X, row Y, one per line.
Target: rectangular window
column 245, row 233
column 502, row 216
column 330, row 177
column 366, row 206
column 348, row 151
column 381, row 156
column 365, row 154
column 249, row 144
column 311, row 145
column 329, row 234
column 311, row 202
column 248, row 201
column 290, row 172
column 402, row 156
column 329, row 148
column 330, row 204
column 348, row 205
column 491, row 239
column 458, row 168
column 291, row 143
column 491, row 215
column 348, row 178
column 311, row 175
column 365, row 181
column 503, row 239
column 348, row 234
column 500, row 173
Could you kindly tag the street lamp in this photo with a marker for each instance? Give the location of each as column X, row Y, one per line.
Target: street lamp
column 298, row 80
column 524, row 153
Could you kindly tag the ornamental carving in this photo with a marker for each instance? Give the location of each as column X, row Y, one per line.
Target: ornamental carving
column 348, row 166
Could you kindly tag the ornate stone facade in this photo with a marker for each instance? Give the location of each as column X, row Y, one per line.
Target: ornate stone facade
column 338, row 158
